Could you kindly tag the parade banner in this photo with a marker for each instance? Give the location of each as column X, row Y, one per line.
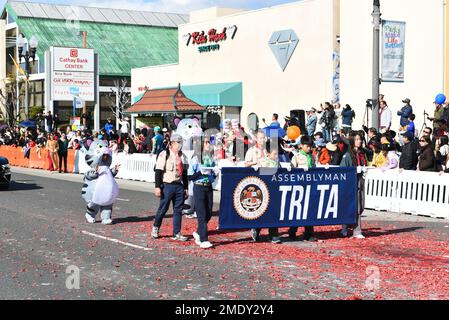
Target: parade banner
column 393, row 48
column 319, row 197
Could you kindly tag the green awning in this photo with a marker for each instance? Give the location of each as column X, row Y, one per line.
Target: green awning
column 137, row 98
column 120, row 47
column 215, row 94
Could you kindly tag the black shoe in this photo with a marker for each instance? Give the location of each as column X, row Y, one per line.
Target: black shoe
column 292, row 236
column 310, row 238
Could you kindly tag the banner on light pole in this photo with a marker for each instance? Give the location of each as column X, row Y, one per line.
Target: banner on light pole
column 393, row 49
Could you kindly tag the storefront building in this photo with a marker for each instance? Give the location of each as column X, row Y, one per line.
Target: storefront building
column 299, row 55
column 277, row 59
column 122, row 40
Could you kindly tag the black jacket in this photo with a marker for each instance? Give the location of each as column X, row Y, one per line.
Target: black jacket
column 409, row 156
column 427, row 160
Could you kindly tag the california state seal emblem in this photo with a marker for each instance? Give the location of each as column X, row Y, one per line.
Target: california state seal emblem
column 251, row 198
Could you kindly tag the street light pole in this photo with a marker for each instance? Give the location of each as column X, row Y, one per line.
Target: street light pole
column 376, row 62
column 29, row 54
column 84, row 35
column 27, row 96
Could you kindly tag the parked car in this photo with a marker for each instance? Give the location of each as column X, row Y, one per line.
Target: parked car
column 5, row 173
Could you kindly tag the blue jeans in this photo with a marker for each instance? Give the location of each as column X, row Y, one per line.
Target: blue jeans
column 310, row 131
column 203, row 206
column 327, row 134
column 171, row 193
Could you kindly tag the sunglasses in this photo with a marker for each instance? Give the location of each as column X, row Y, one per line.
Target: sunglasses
column 426, row 132
column 422, row 141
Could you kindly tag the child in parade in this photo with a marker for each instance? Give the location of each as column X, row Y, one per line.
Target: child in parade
column 203, row 171
column 358, row 158
column 256, row 157
column 303, row 160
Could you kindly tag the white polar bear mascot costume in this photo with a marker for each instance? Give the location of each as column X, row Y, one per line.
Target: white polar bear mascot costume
column 190, row 131
column 100, row 190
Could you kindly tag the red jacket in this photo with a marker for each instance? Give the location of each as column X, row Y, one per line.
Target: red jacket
column 323, row 158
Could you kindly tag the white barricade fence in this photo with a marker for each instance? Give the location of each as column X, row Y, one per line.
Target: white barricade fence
column 138, row 167
column 80, row 165
column 413, row 192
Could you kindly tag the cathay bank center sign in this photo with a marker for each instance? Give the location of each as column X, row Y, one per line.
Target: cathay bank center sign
column 72, row 74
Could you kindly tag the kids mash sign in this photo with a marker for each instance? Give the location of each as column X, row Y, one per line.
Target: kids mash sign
column 210, row 40
column 318, row 197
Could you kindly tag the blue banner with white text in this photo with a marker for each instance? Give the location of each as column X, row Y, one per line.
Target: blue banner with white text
column 260, row 199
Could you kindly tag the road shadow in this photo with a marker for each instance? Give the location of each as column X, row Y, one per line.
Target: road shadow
column 17, row 186
column 134, row 219
column 368, row 233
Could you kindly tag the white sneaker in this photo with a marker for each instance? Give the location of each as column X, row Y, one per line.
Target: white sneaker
column 180, row 237
column 155, row 233
column 196, row 236
column 360, row 236
column 107, row 222
column 206, row 245
column 191, row 216
column 198, row 242
column 89, row 218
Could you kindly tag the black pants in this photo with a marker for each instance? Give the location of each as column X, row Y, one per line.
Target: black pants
column 203, row 196
column 272, row 232
column 171, row 193
column 61, row 156
column 308, row 231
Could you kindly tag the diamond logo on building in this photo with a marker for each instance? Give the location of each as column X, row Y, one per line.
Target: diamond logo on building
column 283, row 44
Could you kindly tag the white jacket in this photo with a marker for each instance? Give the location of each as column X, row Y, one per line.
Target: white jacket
column 385, row 118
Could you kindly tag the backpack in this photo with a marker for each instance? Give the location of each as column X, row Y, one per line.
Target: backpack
column 167, row 155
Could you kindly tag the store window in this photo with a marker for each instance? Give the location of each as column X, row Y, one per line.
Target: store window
column 41, row 66
column 10, row 18
column 36, row 93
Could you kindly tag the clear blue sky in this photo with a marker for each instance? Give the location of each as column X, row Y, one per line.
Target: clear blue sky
column 168, row 5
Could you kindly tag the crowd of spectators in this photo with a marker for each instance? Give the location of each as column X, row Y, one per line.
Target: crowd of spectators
column 330, row 127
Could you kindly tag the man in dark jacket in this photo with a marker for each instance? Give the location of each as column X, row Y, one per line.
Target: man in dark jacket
column 405, row 112
column 348, row 116
column 409, row 156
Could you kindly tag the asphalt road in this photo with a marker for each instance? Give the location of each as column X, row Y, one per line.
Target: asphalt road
column 43, row 233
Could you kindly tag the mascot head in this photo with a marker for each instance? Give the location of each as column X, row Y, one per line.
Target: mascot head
column 99, row 154
column 188, row 129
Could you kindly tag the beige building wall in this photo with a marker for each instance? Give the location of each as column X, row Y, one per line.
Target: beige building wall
column 306, row 81
column 2, row 65
column 212, row 13
column 424, row 55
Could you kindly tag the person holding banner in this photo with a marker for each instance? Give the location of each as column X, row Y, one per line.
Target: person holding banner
column 359, row 159
column 257, row 157
column 203, row 171
column 303, row 160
